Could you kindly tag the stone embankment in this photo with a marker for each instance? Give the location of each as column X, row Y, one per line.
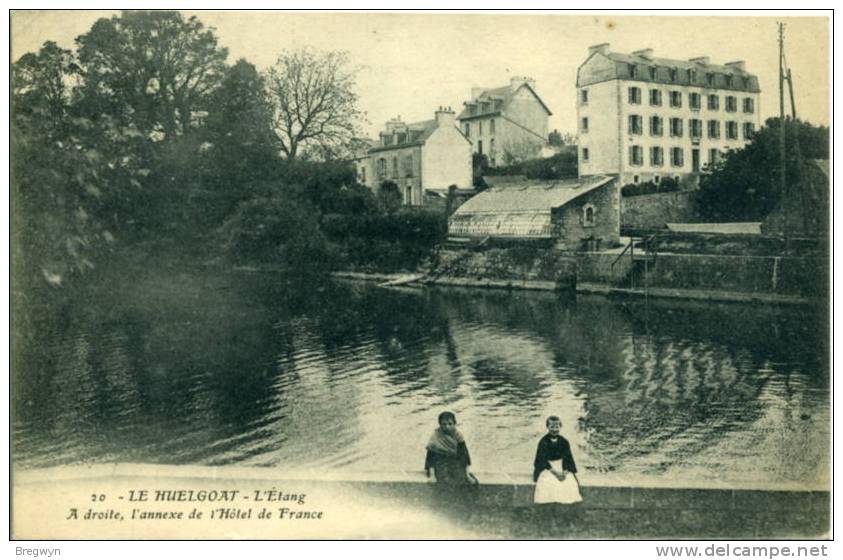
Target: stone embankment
column 384, row 505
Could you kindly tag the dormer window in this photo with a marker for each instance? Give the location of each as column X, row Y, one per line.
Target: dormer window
column 709, row 79
column 692, row 76
column 674, row 74
column 652, row 72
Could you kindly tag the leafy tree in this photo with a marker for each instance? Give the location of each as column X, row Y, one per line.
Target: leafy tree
column 153, row 70
column 746, row 183
column 389, row 197
column 558, row 139
column 313, row 102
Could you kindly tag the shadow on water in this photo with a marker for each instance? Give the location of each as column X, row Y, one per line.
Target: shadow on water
column 213, row 367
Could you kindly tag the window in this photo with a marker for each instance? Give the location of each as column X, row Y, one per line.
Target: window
column 492, row 126
column 652, row 70
column 731, row 130
column 692, row 75
column 714, row 129
column 480, row 147
column 675, row 98
column 656, row 126
column 709, row 80
column 408, row 165
column 713, row 156
column 635, row 179
column 713, row 102
column 748, row 105
column 584, row 97
column 696, row 128
column 468, row 130
column 635, row 95
column 363, row 174
column 636, row 124
column 381, row 169
column 674, row 74
column 657, row 178
column 492, row 151
column 480, row 128
column 588, row 214
column 636, row 155
column 656, row 97
column 633, row 70
column 677, row 157
column 656, row 156
column 748, row 130
column 585, row 154
column 731, row 103
column 676, row 127
column 584, row 124
column 395, row 167
column 694, row 101
column 408, row 196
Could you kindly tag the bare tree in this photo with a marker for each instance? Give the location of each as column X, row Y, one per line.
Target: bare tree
column 313, row 101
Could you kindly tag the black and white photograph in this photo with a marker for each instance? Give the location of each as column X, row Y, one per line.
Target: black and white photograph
column 385, row 275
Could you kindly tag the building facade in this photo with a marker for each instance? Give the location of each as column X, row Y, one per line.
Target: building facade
column 508, row 123
column 646, row 118
column 427, row 155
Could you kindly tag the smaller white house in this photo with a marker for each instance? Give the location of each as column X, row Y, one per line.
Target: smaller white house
column 424, row 156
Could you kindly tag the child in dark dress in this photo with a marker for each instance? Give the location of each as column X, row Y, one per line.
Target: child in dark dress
column 447, row 461
column 554, row 470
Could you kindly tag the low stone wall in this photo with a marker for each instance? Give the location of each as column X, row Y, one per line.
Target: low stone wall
column 750, row 274
column 653, row 211
column 516, row 264
column 386, row 505
column 781, row 275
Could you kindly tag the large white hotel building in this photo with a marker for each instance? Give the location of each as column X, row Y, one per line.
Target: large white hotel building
column 647, row 118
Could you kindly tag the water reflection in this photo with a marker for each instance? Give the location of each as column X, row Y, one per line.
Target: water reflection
column 244, row 369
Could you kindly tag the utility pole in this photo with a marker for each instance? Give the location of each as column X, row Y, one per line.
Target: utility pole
column 783, row 187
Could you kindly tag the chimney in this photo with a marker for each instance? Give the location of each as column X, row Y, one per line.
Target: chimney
column 476, row 91
column 644, row 53
column 444, row 116
column 602, row 48
column 393, row 124
column 515, row 82
column 704, row 60
column 739, row 64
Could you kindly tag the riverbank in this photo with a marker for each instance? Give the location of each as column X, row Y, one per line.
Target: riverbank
column 587, row 288
column 123, row 500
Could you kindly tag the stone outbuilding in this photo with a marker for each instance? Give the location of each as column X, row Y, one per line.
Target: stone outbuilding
column 572, row 215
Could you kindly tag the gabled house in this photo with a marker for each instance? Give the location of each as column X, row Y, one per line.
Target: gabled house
column 428, row 155
column 508, row 123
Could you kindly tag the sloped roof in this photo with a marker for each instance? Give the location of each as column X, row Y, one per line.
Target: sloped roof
column 521, row 210
column 416, row 135
column 530, row 196
column 504, row 94
column 642, row 65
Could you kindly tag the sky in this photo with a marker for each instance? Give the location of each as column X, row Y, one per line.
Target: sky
column 411, row 63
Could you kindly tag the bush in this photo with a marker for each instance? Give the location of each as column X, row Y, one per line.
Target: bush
column 668, row 184
column 559, row 166
column 278, row 231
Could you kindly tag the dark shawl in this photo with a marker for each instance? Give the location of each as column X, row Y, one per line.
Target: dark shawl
column 553, row 451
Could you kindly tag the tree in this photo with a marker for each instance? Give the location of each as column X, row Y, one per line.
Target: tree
column 153, row 70
column 557, row 139
column 745, row 185
column 313, row 101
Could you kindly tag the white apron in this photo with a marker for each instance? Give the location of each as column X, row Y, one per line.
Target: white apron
column 551, row 490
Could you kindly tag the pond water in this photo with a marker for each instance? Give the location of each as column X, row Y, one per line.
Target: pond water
column 247, row 369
